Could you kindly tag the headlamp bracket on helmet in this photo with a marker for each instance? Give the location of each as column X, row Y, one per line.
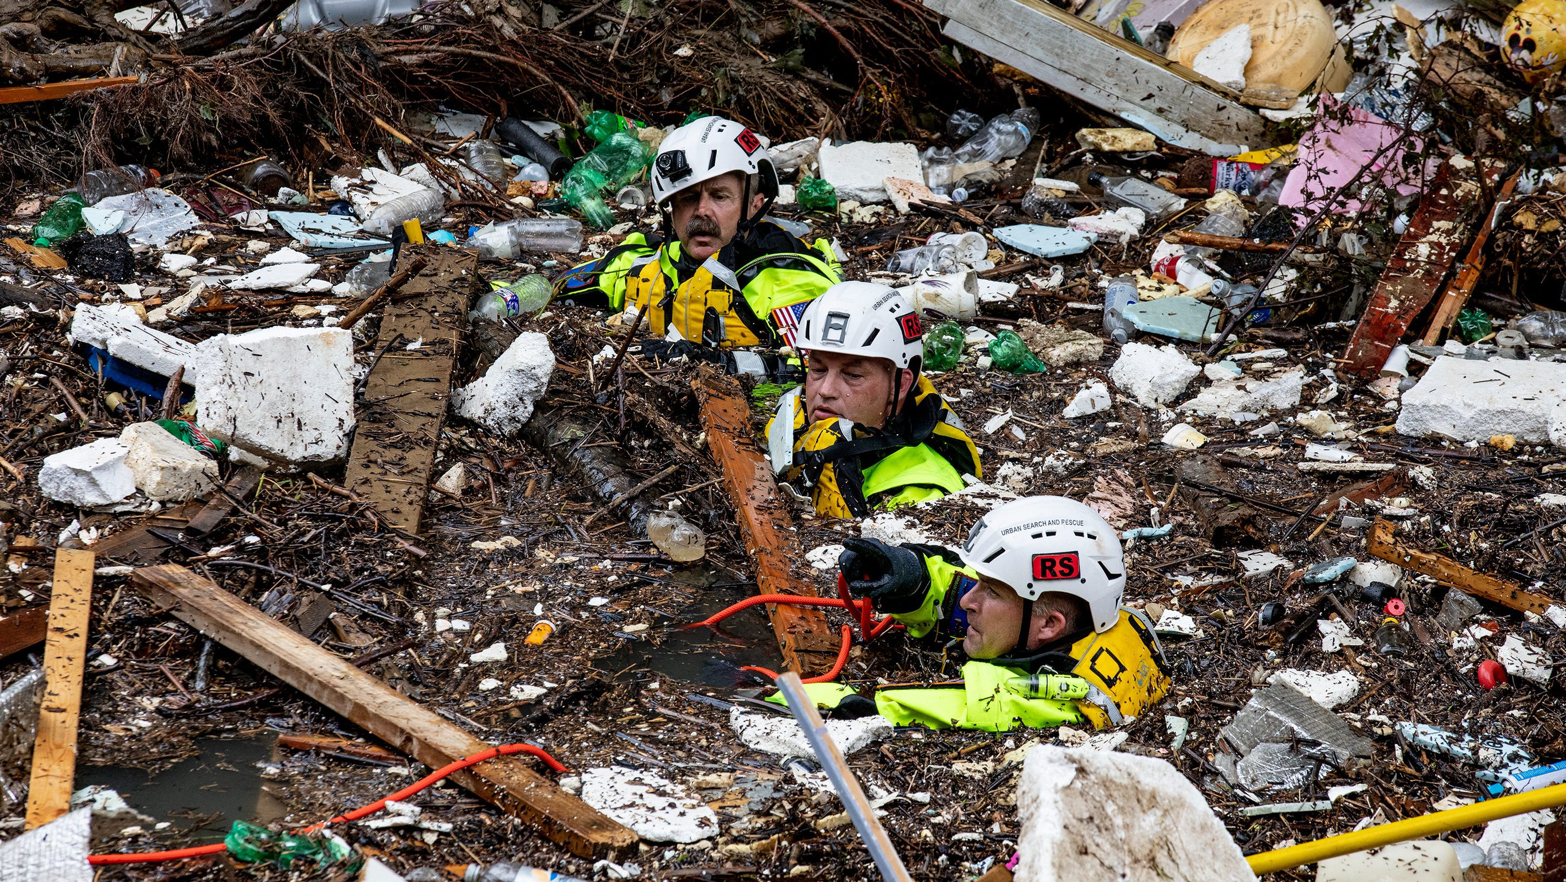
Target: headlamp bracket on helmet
column 674, row 166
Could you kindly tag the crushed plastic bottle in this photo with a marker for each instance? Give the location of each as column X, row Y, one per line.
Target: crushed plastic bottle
column 1009, row 353
column 368, row 276
column 510, row 239
column 1474, row 324
column 1003, row 137
column 603, row 125
column 675, row 536
column 425, row 204
column 943, row 346
column 938, row 164
column 62, row 221
column 1121, row 293
column 612, row 163
column 1152, row 199
column 525, row 296
column 1543, row 327
column 532, row 171
column 961, row 125
column 485, row 159
column 938, row 259
column 816, row 194
column 254, row 844
column 508, row 871
column 100, row 184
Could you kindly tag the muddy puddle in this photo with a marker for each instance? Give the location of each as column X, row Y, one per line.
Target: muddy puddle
column 203, row 794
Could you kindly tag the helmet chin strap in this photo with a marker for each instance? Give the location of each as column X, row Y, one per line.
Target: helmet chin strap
column 1022, row 629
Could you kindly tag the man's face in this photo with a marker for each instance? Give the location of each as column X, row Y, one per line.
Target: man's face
column 995, row 617
column 850, row 386
column 707, row 215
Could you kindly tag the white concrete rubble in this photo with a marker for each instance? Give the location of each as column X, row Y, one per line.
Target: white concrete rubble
column 1098, row 816
column 281, row 275
column 781, row 736
column 285, row 393
column 1368, row 571
column 1153, row 376
column 1474, row 400
column 858, row 170
column 120, row 332
column 166, row 468
column 502, row 400
column 87, row 476
column 1245, row 400
column 1326, row 689
column 1092, row 399
column 659, row 810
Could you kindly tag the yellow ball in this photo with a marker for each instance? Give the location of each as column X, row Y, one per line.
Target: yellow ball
column 1535, row 38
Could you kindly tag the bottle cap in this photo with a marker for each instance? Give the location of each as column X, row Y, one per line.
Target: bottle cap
column 1396, row 607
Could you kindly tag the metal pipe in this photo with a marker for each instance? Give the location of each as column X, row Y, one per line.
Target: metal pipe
column 1410, row 828
column 843, row 780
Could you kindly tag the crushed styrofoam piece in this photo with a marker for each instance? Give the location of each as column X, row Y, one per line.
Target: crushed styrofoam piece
column 1175, row 622
column 120, row 332
column 1368, row 571
column 527, row 692
column 1330, row 453
column 1015, row 476
column 454, row 480
column 1335, row 635
column 781, row 736
column 858, row 170
column 1224, row 59
column 1468, row 400
column 657, row 809
column 90, row 475
column 1184, row 436
column 1326, row 689
column 152, row 216
column 1526, row 831
column 1525, row 661
column 166, row 468
column 892, row 529
column 502, row 400
column 57, row 851
column 278, row 392
column 284, row 255
column 1093, row 398
column 1118, row 227
column 1324, row 425
column 823, row 557
column 1094, row 816
column 1243, row 400
column 903, row 193
column 1262, row 563
column 1152, row 375
column 172, row 262
column 282, row 275
column 488, row 684
column 495, row 652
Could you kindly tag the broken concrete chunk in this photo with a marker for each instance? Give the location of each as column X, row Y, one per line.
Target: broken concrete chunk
column 1245, row 400
column 1474, row 400
column 1280, row 714
column 166, row 468
column 1099, row 816
column 285, row 393
column 1153, row 376
column 1092, row 399
column 858, row 170
column 781, row 736
column 87, row 476
column 659, row 810
column 502, row 400
column 282, row 275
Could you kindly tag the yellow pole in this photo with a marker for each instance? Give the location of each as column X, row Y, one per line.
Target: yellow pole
column 1411, row 828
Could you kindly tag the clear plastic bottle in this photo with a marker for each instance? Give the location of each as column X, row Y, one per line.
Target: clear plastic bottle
column 1152, row 199
column 1229, row 220
column 1003, row 137
column 938, row 165
column 961, row 125
column 525, row 296
column 943, row 346
column 1391, row 639
column 98, row 185
column 676, row 537
column 1121, row 293
column 484, row 157
column 940, row 258
column 509, row 871
column 425, row 204
column 507, row 240
column 1543, row 327
column 368, row 276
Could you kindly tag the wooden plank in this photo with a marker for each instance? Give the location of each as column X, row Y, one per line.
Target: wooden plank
column 41, row 258
column 140, row 545
column 1173, row 102
column 48, row 91
column 1382, row 544
column 1456, row 295
column 23, row 629
column 65, row 660
column 1417, row 266
column 406, row 394
column 1554, row 864
column 809, row 644
column 380, row 710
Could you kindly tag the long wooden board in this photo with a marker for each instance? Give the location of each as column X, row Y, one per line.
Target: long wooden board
column 1456, row 295
column 140, row 545
column 809, row 644
column 1382, row 544
column 47, row 91
column 1081, row 59
column 65, row 661
column 407, row 392
column 23, row 629
column 380, row 710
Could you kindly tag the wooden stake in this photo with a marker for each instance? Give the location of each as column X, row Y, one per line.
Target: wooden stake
column 1449, row 572
column 65, row 660
column 20, row 94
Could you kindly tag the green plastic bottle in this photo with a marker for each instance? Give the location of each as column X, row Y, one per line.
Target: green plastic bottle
column 815, row 193
column 604, row 124
column 943, row 346
column 256, row 844
column 615, row 163
column 1474, row 324
column 1010, row 354
column 62, row 221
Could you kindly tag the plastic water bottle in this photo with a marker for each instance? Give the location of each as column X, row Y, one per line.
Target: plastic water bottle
column 95, row 186
column 485, row 159
column 939, row 259
column 368, row 276
column 961, row 125
column 676, row 537
column 1121, row 294
column 1010, row 354
column 1003, row 137
column 508, row 871
column 1157, row 202
column 525, row 296
column 62, row 221
column 938, row 165
column 425, row 204
column 943, row 346
column 1543, row 327
column 507, row 240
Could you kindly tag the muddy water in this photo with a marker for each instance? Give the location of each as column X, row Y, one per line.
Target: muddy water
column 704, row 656
column 203, row 794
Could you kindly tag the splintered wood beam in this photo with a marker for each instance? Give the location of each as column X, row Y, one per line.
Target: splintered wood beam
column 1382, row 544
column 23, row 629
column 142, row 544
column 1456, row 295
column 809, row 644
column 407, row 393
column 65, row 660
column 47, row 91
column 380, row 710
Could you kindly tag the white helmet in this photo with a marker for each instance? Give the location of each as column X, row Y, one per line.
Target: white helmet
column 708, row 148
column 1042, row 544
column 860, row 318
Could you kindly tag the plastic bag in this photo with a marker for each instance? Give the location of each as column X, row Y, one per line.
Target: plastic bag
column 815, row 193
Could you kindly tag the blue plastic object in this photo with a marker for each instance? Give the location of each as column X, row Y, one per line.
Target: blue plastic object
column 1045, row 241
column 137, row 379
column 331, row 230
column 1329, row 570
column 1183, row 318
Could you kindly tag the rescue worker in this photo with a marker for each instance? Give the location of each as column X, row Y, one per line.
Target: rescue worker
column 867, row 430
column 720, row 276
column 1034, row 595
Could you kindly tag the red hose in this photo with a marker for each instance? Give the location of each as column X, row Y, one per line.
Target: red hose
column 148, row 857
column 829, row 676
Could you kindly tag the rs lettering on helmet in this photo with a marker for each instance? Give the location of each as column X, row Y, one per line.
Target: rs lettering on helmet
column 1049, row 567
column 909, row 324
column 748, row 141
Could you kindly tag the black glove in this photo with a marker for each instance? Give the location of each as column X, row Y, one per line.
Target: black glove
column 893, row 577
